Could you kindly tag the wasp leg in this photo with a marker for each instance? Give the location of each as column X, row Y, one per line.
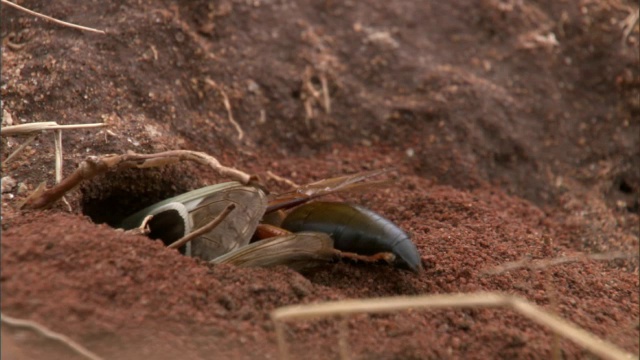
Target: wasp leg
column 386, row 256
column 264, row 231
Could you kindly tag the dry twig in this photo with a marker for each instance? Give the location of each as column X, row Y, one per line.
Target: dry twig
column 629, row 24
column 143, row 229
column 20, row 148
column 325, row 94
column 94, row 166
column 559, row 326
column 58, row 146
column 227, row 105
column 203, row 230
column 545, row 263
column 282, row 180
column 11, row 321
column 60, row 22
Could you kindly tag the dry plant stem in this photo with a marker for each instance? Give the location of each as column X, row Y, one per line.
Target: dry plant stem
column 47, row 125
column 556, row 354
column 343, row 339
column 559, row 326
column 227, row 105
column 544, row 263
column 630, row 24
column 60, row 22
column 203, row 230
column 281, row 179
column 308, row 108
column 325, row 94
column 58, row 151
column 49, row 334
column 20, row 148
column 94, row 166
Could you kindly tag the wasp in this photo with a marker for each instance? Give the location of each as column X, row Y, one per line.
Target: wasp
column 308, row 231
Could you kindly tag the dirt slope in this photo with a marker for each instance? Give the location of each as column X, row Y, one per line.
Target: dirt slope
column 513, row 127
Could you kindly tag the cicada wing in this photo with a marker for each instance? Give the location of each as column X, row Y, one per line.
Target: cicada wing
column 324, row 187
column 295, row 250
column 233, row 232
column 189, row 200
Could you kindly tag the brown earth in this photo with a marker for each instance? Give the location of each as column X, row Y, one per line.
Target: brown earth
column 513, row 127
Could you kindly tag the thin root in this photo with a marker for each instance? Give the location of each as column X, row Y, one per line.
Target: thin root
column 227, row 105
column 545, row 263
column 81, row 350
column 94, row 166
column 282, row 180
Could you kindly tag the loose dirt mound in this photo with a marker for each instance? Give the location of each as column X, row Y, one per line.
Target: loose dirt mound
column 513, row 126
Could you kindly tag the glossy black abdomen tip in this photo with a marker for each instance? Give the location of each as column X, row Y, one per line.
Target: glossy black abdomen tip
column 408, row 256
column 355, row 229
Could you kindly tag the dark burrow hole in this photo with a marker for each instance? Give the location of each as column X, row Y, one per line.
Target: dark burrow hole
column 623, row 190
column 112, row 197
column 624, row 187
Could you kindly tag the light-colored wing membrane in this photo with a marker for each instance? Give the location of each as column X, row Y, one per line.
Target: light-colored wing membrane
column 324, row 187
column 295, row 250
column 233, row 232
column 189, row 200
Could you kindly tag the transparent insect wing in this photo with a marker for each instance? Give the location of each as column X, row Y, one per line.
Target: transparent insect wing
column 236, row 230
column 190, row 200
column 295, row 250
column 324, row 187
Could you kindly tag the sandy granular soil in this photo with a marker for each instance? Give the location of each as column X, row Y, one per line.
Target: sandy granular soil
column 513, row 129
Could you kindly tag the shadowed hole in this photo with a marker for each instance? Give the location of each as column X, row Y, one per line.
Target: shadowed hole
column 112, row 197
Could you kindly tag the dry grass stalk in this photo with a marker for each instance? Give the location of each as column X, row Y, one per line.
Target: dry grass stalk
column 47, row 125
column 545, row 263
column 79, row 349
column 559, row 326
column 343, row 342
column 60, row 22
column 325, row 94
column 58, row 146
column 227, row 105
column 203, row 230
column 94, row 166
column 629, row 24
column 19, row 149
column 282, row 180
column 556, row 353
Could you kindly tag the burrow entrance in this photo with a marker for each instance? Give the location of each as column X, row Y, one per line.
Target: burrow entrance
column 111, row 197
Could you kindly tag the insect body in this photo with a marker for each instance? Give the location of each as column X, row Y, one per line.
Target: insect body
column 354, row 229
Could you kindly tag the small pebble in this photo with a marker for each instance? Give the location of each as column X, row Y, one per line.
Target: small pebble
column 8, row 183
column 22, row 188
column 7, row 119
